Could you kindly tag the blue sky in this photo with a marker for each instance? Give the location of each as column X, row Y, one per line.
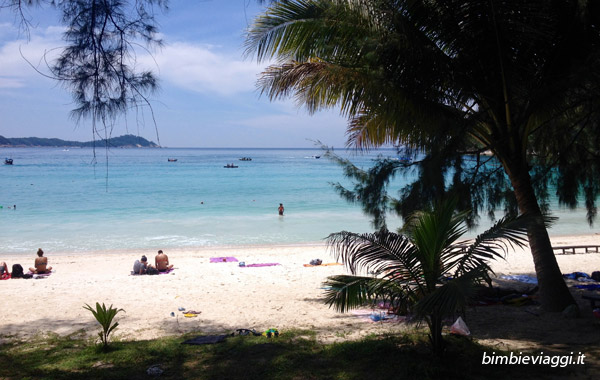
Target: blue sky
column 207, row 97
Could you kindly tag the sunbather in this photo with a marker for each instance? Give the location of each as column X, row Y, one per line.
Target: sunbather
column 3, row 269
column 162, row 262
column 140, row 267
column 41, row 264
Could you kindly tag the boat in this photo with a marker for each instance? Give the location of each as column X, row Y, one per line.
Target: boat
column 172, row 159
column 8, row 161
column 230, row 166
column 245, row 159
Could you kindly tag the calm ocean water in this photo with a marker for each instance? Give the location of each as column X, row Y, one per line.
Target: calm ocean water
column 65, row 203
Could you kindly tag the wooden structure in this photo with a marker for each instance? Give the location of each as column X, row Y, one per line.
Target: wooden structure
column 573, row 249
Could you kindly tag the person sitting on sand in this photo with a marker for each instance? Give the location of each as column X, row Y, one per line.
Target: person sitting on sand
column 140, row 267
column 162, row 262
column 41, row 264
column 3, row 270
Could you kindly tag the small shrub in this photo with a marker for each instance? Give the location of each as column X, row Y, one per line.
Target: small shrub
column 105, row 317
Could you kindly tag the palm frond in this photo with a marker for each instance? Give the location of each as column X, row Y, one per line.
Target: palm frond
column 451, row 296
column 349, row 292
column 377, row 252
column 507, row 233
column 300, row 29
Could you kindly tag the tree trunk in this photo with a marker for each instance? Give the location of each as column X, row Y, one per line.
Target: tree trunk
column 554, row 293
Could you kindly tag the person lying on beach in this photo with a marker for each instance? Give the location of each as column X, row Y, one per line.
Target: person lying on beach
column 3, row 269
column 41, row 264
column 140, row 267
column 162, row 262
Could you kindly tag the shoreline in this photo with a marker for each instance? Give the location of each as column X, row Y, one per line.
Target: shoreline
column 555, row 240
column 285, row 296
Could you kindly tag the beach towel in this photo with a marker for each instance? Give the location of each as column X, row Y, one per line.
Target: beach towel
column 132, row 273
column 579, row 276
column 39, row 275
column 260, row 265
column 226, row 259
column 588, row 286
column 369, row 315
column 207, row 339
column 521, row 278
column 322, row 265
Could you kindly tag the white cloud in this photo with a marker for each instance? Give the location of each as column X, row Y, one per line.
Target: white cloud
column 202, row 68
column 11, row 83
column 14, row 54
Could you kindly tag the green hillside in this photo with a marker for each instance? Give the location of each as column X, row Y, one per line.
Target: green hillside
column 125, row 141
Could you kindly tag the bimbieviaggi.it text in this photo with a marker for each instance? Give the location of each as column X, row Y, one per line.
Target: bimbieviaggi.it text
column 551, row 360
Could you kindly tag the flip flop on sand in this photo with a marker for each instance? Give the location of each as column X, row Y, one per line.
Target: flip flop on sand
column 190, row 315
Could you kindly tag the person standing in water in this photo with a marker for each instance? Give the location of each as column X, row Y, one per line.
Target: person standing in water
column 281, row 209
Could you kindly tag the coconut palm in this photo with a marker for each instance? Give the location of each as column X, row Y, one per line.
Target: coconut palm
column 426, row 268
column 518, row 78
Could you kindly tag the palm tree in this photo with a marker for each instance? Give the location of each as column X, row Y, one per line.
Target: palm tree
column 426, row 268
column 518, row 78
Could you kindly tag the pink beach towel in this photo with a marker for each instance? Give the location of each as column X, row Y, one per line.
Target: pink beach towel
column 222, row 259
column 260, row 265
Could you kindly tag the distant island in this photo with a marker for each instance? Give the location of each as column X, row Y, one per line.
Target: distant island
column 125, row 141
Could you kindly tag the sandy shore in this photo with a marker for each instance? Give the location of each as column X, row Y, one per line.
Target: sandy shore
column 285, row 296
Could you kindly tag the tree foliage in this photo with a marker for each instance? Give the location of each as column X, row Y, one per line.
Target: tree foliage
column 98, row 63
column 425, row 269
column 454, row 79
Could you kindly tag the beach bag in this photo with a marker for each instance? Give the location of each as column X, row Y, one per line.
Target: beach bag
column 151, row 270
column 17, row 271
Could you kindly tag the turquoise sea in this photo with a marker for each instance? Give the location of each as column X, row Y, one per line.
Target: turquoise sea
column 138, row 200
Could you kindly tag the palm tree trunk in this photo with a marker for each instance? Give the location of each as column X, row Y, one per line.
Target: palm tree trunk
column 435, row 331
column 554, row 293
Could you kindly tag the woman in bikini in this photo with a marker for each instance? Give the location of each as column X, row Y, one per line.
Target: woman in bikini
column 41, row 264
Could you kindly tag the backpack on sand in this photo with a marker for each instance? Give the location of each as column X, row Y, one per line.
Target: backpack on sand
column 17, row 271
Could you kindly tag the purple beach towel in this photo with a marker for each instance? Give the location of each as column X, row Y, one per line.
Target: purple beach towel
column 222, row 259
column 261, row 265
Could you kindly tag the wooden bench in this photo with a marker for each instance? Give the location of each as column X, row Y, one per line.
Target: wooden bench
column 592, row 298
column 573, row 249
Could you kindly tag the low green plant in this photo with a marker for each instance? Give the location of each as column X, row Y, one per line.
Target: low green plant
column 105, row 317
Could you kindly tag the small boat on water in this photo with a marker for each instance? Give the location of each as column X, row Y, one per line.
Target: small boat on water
column 8, row 161
column 230, row 166
column 245, row 159
column 172, row 159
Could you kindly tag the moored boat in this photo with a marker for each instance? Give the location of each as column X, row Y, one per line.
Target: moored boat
column 8, row 161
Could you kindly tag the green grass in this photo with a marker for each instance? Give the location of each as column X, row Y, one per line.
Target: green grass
column 294, row 355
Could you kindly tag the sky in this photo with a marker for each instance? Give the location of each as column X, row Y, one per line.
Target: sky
column 207, row 98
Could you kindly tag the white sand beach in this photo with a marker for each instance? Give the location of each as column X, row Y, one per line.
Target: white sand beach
column 228, row 296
